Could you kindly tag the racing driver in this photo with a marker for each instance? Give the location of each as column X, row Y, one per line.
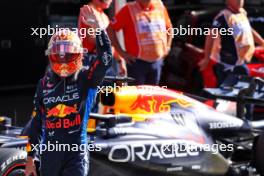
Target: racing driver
column 62, row 104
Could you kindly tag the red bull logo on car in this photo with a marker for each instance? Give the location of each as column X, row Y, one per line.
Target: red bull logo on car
column 62, row 110
column 157, row 104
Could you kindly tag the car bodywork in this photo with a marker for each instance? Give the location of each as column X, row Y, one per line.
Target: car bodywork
column 148, row 130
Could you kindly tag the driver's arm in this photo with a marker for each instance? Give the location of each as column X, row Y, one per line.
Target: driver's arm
column 98, row 68
column 257, row 38
column 35, row 131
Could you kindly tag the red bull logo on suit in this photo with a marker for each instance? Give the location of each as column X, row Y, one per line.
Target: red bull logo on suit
column 64, row 123
column 61, row 111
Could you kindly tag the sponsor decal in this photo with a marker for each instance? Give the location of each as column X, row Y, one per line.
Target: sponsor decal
column 61, row 110
column 164, row 150
column 71, row 88
column 106, row 58
column 155, row 104
column 64, row 123
column 47, row 91
column 144, row 152
column 65, row 98
column 10, row 160
column 222, row 125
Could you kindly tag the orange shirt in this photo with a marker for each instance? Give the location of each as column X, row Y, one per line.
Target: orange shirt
column 89, row 40
column 145, row 30
column 237, row 48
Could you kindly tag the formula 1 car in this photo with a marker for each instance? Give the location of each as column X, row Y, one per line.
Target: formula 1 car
column 148, row 130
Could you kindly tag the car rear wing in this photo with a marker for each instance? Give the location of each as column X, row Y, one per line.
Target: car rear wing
column 241, row 89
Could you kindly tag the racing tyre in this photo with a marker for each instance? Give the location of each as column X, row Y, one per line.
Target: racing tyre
column 12, row 162
column 259, row 155
column 17, row 172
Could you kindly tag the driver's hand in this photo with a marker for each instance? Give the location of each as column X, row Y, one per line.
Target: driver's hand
column 89, row 18
column 30, row 167
column 203, row 64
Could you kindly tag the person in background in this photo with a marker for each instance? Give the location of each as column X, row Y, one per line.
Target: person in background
column 148, row 36
column 88, row 39
column 231, row 51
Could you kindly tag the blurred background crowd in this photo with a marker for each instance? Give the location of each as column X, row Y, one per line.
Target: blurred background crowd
column 172, row 61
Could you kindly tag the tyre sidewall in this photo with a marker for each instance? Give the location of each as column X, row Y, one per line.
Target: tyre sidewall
column 11, row 159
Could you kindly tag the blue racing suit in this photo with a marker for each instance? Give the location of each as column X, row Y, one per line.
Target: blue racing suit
column 61, row 113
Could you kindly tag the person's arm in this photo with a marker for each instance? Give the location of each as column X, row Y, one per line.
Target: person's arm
column 121, row 63
column 114, row 40
column 112, row 34
column 118, row 23
column 169, row 30
column 257, row 38
column 209, row 42
column 35, row 133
